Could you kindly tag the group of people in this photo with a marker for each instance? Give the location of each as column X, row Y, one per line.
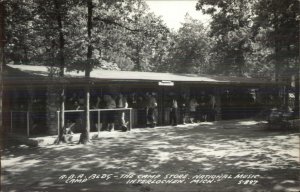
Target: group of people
column 108, row 118
column 191, row 110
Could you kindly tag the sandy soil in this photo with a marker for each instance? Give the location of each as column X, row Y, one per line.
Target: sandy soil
column 223, row 156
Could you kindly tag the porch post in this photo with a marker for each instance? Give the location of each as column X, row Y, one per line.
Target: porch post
column 160, row 107
column 11, row 122
column 218, row 108
column 28, row 123
column 98, row 127
column 131, row 119
column 30, row 108
column 58, row 122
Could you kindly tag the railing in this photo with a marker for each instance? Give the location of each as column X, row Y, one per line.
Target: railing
column 23, row 119
column 98, row 115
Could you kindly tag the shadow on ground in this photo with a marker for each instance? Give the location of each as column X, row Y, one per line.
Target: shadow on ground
column 231, row 147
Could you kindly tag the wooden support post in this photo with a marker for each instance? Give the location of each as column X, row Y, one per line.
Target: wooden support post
column 285, row 94
column 28, row 124
column 98, row 127
column 11, row 122
column 58, row 122
column 160, row 108
column 218, row 108
column 30, row 90
column 131, row 119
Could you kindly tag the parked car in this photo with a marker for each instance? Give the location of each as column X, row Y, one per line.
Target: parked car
column 279, row 118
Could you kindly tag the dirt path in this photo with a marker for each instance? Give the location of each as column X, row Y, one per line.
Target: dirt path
column 223, row 156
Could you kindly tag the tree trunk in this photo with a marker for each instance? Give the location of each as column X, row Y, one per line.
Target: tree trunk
column 85, row 134
column 137, row 66
column 277, row 63
column 240, row 62
column 297, row 78
column 61, row 131
column 2, row 40
column 61, row 60
column 277, row 50
column 84, row 137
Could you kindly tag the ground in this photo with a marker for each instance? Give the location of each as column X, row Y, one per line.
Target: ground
column 228, row 156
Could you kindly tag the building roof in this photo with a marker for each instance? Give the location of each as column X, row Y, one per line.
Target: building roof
column 105, row 75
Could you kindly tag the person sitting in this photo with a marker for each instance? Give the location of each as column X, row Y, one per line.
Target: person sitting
column 74, row 118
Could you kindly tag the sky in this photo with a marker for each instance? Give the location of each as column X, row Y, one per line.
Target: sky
column 173, row 11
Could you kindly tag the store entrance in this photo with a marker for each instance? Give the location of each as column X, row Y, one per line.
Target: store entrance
column 168, row 93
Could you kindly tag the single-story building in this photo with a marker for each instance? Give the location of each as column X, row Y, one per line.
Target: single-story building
column 33, row 93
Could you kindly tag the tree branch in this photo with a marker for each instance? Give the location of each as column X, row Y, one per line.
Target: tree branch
column 112, row 22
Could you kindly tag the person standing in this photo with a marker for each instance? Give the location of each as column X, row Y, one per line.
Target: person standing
column 110, row 115
column 203, row 108
column 212, row 104
column 192, row 109
column 174, row 111
column 183, row 103
column 141, row 107
column 99, row 104
column 122, row 103
column 151, row 106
